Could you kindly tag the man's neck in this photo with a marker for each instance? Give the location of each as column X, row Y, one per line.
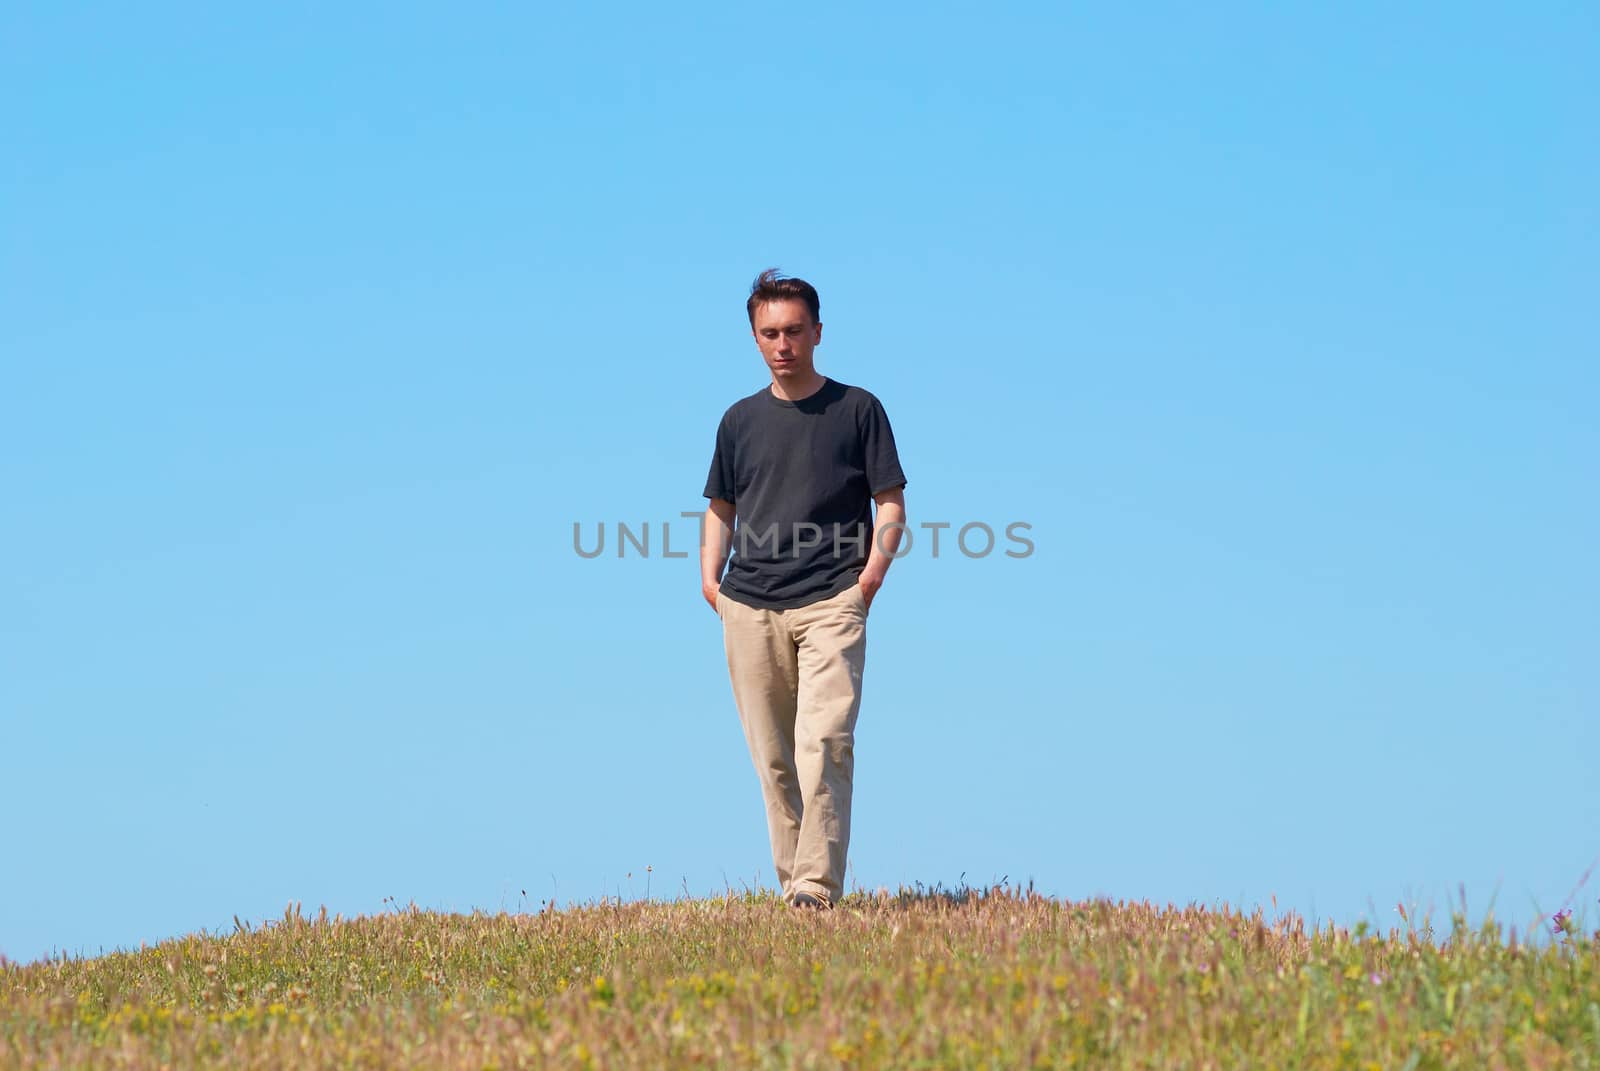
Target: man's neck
column 791, row 391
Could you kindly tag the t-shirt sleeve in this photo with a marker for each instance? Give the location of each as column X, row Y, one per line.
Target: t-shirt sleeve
column 719, row 482
column 883, row 460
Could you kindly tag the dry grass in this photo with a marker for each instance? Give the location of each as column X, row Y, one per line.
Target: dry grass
column 994, row 979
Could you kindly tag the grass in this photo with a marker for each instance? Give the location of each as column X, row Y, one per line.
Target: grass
column 997, row 978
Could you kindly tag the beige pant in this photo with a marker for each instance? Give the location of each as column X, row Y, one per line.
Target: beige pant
column 797, row 682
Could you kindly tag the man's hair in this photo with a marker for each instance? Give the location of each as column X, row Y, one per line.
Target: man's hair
column 770, row 286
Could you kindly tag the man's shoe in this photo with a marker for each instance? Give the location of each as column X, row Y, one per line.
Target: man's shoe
column 807, row 901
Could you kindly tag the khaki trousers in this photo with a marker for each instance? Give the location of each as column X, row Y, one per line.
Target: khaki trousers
column 797, row 682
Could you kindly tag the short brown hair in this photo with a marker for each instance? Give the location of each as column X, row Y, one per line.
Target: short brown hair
column 770, row 286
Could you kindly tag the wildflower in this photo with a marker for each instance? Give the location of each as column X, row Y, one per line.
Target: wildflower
column 1558, row 921
column 1375, row 978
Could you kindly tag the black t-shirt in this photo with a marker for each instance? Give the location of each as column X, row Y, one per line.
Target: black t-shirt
column 801, row 476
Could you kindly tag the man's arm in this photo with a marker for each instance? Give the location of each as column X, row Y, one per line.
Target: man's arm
column 885, row 540
column 716, row 539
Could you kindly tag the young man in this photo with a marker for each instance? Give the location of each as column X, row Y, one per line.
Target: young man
column 800, row 463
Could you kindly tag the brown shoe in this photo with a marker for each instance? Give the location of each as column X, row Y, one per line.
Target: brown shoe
column 809, row 902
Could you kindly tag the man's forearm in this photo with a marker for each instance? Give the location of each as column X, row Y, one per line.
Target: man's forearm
column 716, row 538
column 888, row 529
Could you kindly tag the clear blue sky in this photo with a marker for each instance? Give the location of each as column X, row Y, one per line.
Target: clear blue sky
column 321, row 327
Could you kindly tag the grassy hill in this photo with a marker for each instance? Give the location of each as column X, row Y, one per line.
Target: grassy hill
column 1000, row 978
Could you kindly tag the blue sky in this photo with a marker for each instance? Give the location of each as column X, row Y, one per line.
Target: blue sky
column 320, row 329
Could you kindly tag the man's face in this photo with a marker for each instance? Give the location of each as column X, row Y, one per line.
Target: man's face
column 786, row 334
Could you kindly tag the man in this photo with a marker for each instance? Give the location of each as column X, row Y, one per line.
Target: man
column 800, row 464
